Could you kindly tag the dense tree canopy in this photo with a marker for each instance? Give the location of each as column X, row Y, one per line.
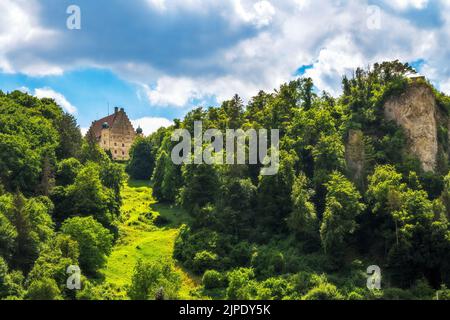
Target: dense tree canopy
column 49, row 173
column 391, row 213
column 308, row 232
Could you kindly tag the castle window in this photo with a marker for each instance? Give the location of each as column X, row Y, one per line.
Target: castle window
column 115, row 151
column 115, row 144
column 123, row 153
column 123, row 144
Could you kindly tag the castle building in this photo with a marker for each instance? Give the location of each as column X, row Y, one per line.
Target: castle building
column 115, row 133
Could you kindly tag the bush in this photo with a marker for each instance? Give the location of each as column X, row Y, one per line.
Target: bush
column 302, row 282
column 142, row 159
column 105, row 291
column 241, row 254
column 397, row 294
column 198, row 251
column 11, row 284
column 45, row 289
column 67, row 171
column 443, row 294
column 204, row 260
column 241, row 285
column 324, row 291
column 153, row 280
column 268, row 262
column 212, row 280
column 95, row 242
column 423, row 290
column 355, row 296
column 275, row 289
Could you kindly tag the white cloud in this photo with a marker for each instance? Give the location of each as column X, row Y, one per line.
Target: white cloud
column 171, row 91
column 151, row 124
column 331, row 35
column 84, row 130
column 20, row 30
column 58, row 97
column 339, row 58
column 285, row 35
column 302, row 3
column 406, row 4
column 24, row 89
column 258, row 13
column 158, row 4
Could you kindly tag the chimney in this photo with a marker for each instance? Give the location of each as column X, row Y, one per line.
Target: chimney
column 116, row 109
column 122, row 109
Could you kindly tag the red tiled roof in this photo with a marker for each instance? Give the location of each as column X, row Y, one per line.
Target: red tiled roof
column 97, row 126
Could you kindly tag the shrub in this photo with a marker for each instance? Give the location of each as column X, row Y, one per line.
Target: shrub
column 45, row 289
column 324, row 291
column 11, row 284
column 212, row 280
column 443, row 294
column 397, row 294
column 151, row 279
column 241, row 254
column 241, row 285
column 189, row 246
column 275, row 289
column 95, row 241
column 423, row 290
column 105, row 291
column 355, row 296
column 268, row 262
column 302, row 282
column 204, row 260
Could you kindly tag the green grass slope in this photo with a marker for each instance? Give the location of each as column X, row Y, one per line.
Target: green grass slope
column 147, row 231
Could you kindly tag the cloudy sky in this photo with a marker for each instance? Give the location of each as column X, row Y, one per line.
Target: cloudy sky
column 160, row 58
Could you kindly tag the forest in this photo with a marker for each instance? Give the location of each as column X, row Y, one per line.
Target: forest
column 307, row 233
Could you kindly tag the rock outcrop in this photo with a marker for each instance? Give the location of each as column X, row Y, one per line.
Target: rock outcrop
column 416, row 112
column 355, row 155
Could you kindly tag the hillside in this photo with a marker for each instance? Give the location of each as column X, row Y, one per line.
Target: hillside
column 363, row 183
column 141, row 239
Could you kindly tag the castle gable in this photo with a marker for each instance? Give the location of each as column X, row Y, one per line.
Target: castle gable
column 114, row 133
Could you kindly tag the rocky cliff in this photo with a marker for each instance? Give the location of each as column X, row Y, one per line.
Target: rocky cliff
column 355, row 156
column 417, row 113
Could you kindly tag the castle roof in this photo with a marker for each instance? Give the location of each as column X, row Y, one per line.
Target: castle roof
column 97, row 125
column 119, row 116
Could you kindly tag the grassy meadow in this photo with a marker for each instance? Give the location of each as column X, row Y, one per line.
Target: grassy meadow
column 147, row 231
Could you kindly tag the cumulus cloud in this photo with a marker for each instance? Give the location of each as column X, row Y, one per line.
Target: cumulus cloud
column 24, row 89
column 406, row 4
column 84, row 130
column 171, row 91
column 185, row 51
column 58, row 97
column 259, row 13
column 20, row 30
column 151, row 124
column 333, row 38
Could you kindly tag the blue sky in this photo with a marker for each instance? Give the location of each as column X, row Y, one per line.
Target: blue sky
column 160, row 58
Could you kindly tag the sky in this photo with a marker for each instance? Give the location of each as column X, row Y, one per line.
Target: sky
column 158, row 59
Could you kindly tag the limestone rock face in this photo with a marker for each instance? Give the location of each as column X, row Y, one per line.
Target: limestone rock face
column 416, row 112
column 355, row 155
